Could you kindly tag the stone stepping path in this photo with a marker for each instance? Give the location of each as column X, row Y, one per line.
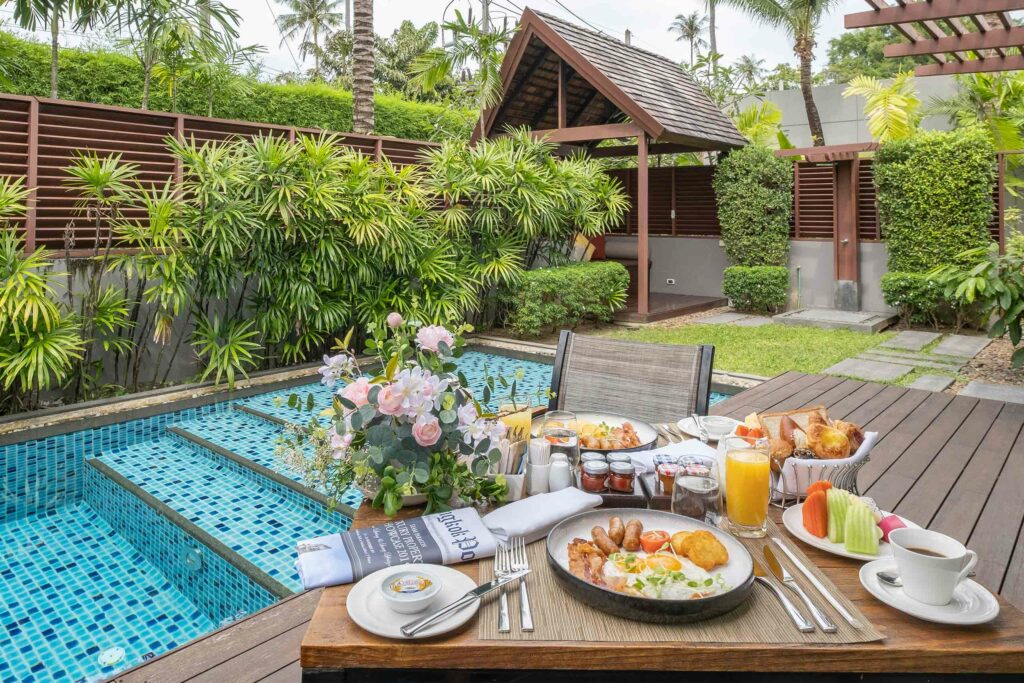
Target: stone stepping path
column 997, row 392
column 896, row 357
column 733, row 318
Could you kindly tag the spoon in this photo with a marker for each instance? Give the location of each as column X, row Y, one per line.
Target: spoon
column 895, row 580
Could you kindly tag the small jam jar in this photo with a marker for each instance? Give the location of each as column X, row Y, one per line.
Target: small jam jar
column 593, row 476
column 619, row 457
column 667, row 476
column 622, row 476
column 592, row 457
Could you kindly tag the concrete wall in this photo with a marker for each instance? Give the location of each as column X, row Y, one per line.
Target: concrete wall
column 696, row 265
column 842, row 119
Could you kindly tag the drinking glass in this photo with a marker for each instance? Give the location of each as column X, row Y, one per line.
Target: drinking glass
column 696, row 492
column 748, row 486
column 559, row 430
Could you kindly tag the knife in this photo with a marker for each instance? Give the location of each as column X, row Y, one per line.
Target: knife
column 799, row 620
column 414, row 627
column 819, row 586
column 824, row 622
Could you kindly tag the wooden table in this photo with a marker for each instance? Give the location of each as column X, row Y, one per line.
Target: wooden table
column 914, row 437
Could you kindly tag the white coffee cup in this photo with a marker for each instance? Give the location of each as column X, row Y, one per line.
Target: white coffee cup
column 931, row 564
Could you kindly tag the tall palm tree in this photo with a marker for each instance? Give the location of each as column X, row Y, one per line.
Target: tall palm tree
column 690, row 27
column 750, row 70
column 362, row 66
column 800, row 20
column 312, row 19
column 710, row 5
column 32, row 14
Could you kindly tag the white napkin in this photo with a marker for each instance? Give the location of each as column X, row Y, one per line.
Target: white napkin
column 643, row 461
column 533, row 517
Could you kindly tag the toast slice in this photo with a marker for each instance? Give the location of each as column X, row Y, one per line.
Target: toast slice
column 770, row 421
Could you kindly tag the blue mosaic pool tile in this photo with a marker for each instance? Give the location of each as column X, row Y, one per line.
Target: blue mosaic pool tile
column 257, row 522
column 213, row 584
column 72, row 587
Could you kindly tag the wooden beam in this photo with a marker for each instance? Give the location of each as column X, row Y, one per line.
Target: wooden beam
column 847, row 263
column 848, row 148
column 924, row 11
column 607, row 131
column 908, row 30
column 1007, row 63
column 631, row 150
column 513, row 94
column 563, row 79
column 643, row 250
column 586, row 103
column 989, row 40
column 32, row 175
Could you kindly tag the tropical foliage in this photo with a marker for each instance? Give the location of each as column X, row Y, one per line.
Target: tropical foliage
column 761, row 123
column 548, row 299
column 861, row 53
column 311, row 21
column 892, row 109
column 691, row 28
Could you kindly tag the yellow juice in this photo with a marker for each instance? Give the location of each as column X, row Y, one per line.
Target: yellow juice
column 517, row 424
column 747, row 474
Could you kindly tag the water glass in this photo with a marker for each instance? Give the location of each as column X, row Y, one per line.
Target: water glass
column 748, row 486
column 559, row 430
column 697, row 491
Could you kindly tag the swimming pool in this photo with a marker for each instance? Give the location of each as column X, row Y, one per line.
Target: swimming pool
column 122, row 542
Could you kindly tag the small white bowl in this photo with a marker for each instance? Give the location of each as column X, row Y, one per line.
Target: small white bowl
column 409, row 592
column 718, row 426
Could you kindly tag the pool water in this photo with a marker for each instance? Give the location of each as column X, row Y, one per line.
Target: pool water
column 123, row 542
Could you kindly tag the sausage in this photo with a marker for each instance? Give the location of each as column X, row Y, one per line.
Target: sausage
column 631, row 541
column 616, row 530
column 603, row 543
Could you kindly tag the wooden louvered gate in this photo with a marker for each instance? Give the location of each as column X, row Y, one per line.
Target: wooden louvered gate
column 39, row 139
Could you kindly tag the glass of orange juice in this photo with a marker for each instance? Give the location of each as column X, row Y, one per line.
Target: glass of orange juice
column 747, row 486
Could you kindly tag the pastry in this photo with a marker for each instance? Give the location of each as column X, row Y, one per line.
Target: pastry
column 828, row 443
column 853, row 432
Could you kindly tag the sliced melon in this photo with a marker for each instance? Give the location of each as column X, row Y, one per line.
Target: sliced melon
column 838, row 503
column 861, row 531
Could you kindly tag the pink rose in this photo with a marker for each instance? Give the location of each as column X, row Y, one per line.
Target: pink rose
column 394, row 319
column 430, row 337
column 388, row 402
column 426, row 431
column 358, row 392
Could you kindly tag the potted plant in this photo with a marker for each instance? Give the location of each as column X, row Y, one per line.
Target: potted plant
column 411, row 433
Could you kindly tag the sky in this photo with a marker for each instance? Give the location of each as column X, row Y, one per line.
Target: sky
column 647, row 19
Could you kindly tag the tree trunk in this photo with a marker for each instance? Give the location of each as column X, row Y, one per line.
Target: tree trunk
column 804, row 50
column 54, row 50
column 711, row 27
column 316, row 52
column 691, row 54
column 362, row 67
column 147, row 77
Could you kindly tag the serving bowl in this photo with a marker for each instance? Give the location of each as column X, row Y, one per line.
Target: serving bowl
column 738, row 573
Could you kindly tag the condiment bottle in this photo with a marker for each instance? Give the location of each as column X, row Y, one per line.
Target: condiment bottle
column 594, row 475
column 622, row 476
column 559, row 477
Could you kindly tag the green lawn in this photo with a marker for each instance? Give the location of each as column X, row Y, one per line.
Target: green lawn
column 767, row 350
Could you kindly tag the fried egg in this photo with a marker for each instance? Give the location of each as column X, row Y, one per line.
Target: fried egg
column 659, row 575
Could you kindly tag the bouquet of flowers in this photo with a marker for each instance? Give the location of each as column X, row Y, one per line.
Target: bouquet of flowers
column 414, row 428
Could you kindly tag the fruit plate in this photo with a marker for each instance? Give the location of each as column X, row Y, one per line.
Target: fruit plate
column 793, row 519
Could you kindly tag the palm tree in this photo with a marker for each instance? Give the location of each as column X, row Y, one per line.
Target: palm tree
column 892, row 110
column 362, row 66
column 750, row 70
column 800, row 19
column 470, row 44
column 690, row 27
column 31, row 14
column 710, row 5
column 994, row 101
column 312, row 19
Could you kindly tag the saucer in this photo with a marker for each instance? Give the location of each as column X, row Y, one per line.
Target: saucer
column 689, row 427
column 971, row 603
column 368, row 608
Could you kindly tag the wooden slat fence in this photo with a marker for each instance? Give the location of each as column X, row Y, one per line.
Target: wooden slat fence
column 39, row 139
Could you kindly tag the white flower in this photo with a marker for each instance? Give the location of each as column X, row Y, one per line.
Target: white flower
column 336, row 367
column 340, row 443
column 474, row 432
column 467, row 414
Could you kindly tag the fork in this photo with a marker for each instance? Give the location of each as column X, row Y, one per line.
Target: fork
column 663, row 430
column 521, row 563
column 503, row 567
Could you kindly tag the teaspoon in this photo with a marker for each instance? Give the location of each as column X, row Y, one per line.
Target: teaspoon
column 895, row 580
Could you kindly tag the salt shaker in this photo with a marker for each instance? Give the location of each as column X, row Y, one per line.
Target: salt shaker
column 560, row 476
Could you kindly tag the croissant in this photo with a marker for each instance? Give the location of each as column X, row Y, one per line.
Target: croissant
column 827, row 442
column 853, row 432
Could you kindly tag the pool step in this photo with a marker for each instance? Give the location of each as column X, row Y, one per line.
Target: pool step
column 254, row 516
column 248, row 410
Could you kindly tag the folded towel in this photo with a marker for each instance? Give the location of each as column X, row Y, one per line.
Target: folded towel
column 644, row 461
column 533, row 517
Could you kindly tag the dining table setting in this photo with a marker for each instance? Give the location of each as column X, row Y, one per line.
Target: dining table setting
column 703, row 544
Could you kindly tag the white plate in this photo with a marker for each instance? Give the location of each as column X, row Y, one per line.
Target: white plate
column 689, row 427
column 972, row 604
column 367, row 607
column 647, row 434
column 793, row 519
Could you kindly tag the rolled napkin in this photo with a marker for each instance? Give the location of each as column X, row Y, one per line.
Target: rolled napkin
column 644, row 461
column 533, row 517
column 443, row 538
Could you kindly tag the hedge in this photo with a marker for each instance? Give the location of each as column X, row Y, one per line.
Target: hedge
column 935, row 196
column 760, row 289
column 565, row 296
column 116, row 79
column 754, row 189
column 920, row 299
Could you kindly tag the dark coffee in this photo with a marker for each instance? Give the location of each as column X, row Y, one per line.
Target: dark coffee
column 926, row 552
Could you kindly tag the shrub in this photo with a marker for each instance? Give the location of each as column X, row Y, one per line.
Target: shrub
column 761, row 289
column 935, row 196
column 116, row 79
column 923, row 299
column 565, row 296
column 754, row 189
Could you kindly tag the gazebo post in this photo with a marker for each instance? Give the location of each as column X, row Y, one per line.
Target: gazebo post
column 642, row 246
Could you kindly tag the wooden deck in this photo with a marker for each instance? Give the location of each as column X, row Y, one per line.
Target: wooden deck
column 664, row 306
column 952, row 463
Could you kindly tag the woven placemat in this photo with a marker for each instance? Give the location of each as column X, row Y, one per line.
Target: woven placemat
column 761, row 619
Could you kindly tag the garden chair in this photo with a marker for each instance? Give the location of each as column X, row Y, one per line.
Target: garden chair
column 651, row 382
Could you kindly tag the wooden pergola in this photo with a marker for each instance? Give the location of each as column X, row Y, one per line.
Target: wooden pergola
column 579, row 87
column 960, row 36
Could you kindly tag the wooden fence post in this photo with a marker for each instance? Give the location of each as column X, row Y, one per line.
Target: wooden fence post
column 32, row 175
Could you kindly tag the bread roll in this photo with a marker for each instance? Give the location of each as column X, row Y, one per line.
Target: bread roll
column 828, row 443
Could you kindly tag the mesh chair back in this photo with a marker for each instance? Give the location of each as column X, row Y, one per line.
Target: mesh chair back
column 650, row 382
